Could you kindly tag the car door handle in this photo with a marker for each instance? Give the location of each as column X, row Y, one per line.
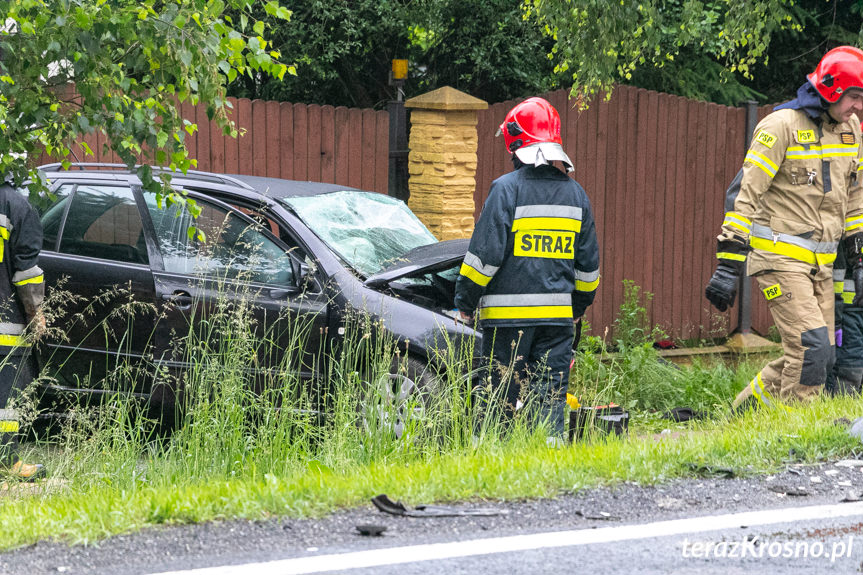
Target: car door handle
column 282, row 293
column 181, row 299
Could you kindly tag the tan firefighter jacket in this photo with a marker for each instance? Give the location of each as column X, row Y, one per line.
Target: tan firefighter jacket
column 799, row 194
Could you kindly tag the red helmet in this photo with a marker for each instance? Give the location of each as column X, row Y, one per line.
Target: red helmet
column 531, row 130
column 840, row 69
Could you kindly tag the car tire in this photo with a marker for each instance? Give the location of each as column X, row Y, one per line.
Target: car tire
column 408, row 386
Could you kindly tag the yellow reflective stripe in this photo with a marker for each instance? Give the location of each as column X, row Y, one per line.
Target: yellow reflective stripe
column 730, row 256
column 8, row 427
column 528, row 312
column 4, row 233
column 737, row 216
column 734, row 224
column 783, row 249
column 838, row 287
column 474, row 276
column 564, row 224
column 848, row 297
column 792, row 251
column 12, row 341
column 763, row 162
column 824, row 259
column 34, row 280
column 586, row 286
column 853, row 223
column 828, row 151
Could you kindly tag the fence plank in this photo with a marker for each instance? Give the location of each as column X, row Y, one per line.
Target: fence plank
column 203, row 143
column 664, row 209
column 258, row 143
column 232, row 145
column 286, row 133
column 274, row 139
column 328, row 144
column 368, row 140
column 602, row 203
column 342, row 146
column 382, row 152
column 313, row 172
column 301, row 142
column 355, row 148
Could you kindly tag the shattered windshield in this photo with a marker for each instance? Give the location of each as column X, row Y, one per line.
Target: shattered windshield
column 368, row 230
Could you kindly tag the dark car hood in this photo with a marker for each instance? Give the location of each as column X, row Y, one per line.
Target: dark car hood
column 421, row 260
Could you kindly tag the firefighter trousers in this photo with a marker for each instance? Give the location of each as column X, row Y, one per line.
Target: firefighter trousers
column 16, row 373
column 530, row 365
column 802, row 310
column 847, row 374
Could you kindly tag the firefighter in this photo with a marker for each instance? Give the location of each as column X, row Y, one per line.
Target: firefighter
column 799, row 194
column 847, row 374
column 532, row 266
column 22, row 288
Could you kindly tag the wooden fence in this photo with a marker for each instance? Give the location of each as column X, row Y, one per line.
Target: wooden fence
column 292, row 141
column 656, row 168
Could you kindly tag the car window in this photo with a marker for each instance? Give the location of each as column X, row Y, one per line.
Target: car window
column 231, row 248
column 51, row 208
column 104, row 222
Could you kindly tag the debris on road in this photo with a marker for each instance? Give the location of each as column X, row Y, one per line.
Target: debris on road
column 712, row 471
column 789, row 490
column 387, row 505
column 849, row 463
column 600, row 516
column 371, row 530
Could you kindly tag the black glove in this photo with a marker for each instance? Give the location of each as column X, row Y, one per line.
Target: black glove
column 722, row 287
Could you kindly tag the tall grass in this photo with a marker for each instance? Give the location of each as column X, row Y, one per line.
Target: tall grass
column 253, row 442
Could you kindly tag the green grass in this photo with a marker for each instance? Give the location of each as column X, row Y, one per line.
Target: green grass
column 520, row 467
column 236, row 453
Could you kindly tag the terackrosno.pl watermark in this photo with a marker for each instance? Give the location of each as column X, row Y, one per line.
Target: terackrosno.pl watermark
column 757, row 547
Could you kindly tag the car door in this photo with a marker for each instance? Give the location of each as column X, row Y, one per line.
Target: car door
column 95, row 254
column 230, row 261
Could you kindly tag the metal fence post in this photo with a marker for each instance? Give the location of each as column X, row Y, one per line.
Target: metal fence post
column 398, row 165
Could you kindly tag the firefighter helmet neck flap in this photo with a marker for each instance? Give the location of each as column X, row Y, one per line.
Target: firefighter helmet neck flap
column 838, row 71
column 531, row 131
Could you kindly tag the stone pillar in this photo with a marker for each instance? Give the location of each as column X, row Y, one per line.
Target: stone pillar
column 442, row 161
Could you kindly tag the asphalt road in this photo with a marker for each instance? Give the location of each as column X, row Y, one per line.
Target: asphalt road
column 628, row 528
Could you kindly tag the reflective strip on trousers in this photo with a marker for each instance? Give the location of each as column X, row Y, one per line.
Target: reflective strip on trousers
column 8, row 421
column 757, row 386
column 795, row 247
column 526, row 306
column 12, row 341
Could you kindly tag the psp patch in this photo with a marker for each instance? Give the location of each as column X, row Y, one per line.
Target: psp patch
column 806, row 136
column 765, row 138
column 848, row 137
column 772, row 292
column 544, row 244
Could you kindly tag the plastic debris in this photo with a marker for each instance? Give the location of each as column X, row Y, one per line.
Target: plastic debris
column 789, row 490
column 387, row 505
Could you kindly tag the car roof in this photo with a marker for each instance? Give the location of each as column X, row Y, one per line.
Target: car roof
column 270, row 187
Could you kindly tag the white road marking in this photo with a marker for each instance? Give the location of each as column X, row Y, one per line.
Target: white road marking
column 438, row 551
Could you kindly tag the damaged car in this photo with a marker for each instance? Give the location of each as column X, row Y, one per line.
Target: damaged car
column 306, row 250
